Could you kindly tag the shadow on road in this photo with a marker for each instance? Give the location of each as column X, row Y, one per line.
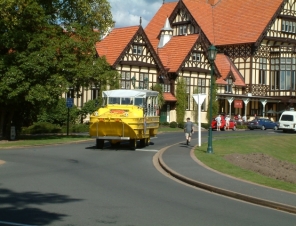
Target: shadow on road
column 123, row 146
column 15, row 207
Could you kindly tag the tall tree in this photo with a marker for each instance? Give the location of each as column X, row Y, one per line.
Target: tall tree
column 181, row 96
column 40, row 59
column 215, row 104
column 157, row 87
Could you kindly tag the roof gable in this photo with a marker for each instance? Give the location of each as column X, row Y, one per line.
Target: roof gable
column 233, row 21
column 174, row 53
column 115, row 43
column 119, row 42
column 225, row 67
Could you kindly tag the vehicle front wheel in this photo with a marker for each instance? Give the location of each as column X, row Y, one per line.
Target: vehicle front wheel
column 147, row 141
column 263, row 127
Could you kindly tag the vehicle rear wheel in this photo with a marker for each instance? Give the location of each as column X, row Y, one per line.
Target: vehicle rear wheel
column 100, row 143
column 263, row 127
column 133, row 144
column 143, row 142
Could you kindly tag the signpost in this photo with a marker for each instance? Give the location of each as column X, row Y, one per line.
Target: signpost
column 69, row 104
column 199, row 99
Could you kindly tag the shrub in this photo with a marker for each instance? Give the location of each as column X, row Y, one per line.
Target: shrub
column 77, row 128
column 241, row 126
column 41, row 127
column 181, row 125
column 165, row 123
column 173, row 124
column 205, row 125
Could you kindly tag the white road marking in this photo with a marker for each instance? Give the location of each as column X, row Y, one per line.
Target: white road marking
column 153, row 150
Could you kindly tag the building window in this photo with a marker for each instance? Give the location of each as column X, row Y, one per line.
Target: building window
column 228, row 86
column 125, row 80
column 275, row 80
column 195, row 56
column 262, row 70
column 182, row 30
column 288, row 26
column 166, row 88
column 94, row 92
column 201, row 85
column 144, row 81
column 187, row 84
column 283, row 73
column 137, row 50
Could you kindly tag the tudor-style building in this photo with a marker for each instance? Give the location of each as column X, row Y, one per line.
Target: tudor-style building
column 254, row 68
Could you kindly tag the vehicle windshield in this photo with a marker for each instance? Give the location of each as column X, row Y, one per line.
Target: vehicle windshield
column 139, row 102
column 287, row 118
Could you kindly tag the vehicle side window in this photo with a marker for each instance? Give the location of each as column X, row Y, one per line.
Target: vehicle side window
column 287, row 118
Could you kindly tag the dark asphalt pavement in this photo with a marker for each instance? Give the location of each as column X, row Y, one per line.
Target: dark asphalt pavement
column 181, row 163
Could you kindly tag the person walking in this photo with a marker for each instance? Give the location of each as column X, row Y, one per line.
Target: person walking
column 188, row 130
column 218, row 120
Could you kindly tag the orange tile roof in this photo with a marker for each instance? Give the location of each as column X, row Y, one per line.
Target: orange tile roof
column 156, row 24
column 175, row 51
column 113, row 44
column 169, row 97
column 225, row 66
column 233, row 21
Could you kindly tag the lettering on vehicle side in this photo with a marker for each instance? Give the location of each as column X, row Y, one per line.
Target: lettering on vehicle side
column 118, row 111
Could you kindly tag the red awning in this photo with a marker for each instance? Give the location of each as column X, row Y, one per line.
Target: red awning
column 169, row 97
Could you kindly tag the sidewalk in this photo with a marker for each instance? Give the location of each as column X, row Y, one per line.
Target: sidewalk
column 181, row 163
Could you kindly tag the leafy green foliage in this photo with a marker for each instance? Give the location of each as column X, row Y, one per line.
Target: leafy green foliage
column 59, row 114
column 173, row 124
column 41, row 127
column 157, row 87
column 89, row 107
column 39, row 59
column 181, row 96
column 215, row 104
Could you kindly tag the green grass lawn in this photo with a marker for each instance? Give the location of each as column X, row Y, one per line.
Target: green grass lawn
column 280, row 147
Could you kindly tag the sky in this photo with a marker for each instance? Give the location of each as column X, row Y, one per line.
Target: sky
column 128, row 12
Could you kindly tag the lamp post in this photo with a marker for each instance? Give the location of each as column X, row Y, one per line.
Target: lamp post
column 212, row 51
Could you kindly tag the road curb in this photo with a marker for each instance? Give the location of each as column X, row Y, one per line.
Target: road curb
column 232, row 194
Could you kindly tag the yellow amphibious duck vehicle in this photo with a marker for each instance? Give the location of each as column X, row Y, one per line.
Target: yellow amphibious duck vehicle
column 129, row 115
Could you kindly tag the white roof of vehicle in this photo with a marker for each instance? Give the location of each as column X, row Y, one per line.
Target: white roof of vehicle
column 139, row 93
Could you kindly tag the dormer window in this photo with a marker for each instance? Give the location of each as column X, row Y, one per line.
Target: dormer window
column 182, row 30
column 288, row 26
column 195, row 56
column 228, row 86
column 137, row 50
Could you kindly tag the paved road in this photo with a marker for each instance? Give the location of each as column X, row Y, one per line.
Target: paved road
column 77, row 184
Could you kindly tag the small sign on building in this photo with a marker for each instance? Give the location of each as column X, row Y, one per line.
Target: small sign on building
column 238, row 104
